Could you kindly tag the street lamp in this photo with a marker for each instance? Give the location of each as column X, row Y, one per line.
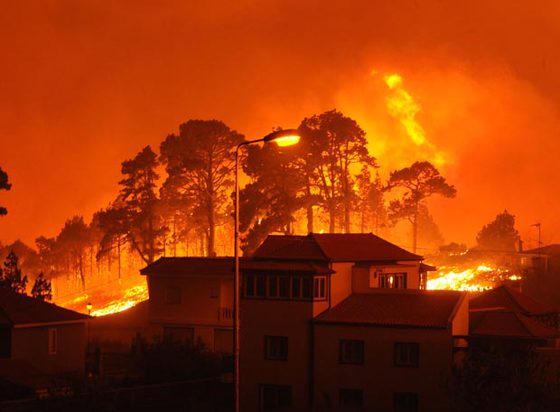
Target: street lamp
column 282, row 138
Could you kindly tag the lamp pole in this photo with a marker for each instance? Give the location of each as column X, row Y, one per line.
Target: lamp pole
column 283, row 138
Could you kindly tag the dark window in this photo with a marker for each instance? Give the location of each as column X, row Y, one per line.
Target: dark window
column 351, row 399
column 53, row 341
column 392, row 280
column 5, row 342
column 307, row 288
column 250, row 285
column 260, row 286
column 407, row 354
column 319, row 288
column 296, row 287
column 284, row 287
column 275, row 397
column 173, row 295
column 276, row 347
column 351, row 351
column 273, row 286
column 405, row 402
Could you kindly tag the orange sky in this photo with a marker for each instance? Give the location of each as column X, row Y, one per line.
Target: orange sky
column 86, row 84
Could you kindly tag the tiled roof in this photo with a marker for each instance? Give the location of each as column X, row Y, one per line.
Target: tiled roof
column 424, row 267
column 334, row 247
column 506, row 323
column 17, row 309
column 550, row 250
column 224, row 266
column 290, row 247
column 396, row 307
column 505, row 297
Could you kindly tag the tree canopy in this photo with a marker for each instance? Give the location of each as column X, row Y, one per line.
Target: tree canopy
column 4, row 185
column 500, row 234
column 419, row 181
column 199, row 162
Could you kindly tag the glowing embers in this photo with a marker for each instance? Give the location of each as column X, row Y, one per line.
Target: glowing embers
column 475, row 279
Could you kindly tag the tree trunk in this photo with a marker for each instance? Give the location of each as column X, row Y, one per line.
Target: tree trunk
column 119, row 255
column 332, row 217
column 415, row 229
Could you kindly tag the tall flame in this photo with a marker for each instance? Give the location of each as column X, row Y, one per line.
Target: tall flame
column 403, row 107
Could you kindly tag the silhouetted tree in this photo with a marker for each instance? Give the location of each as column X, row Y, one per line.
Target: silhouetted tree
column 113, row 224
column 140, row 204
column 42, row 288
column 370, row 202
column 74, row 240
column 333, row 143
column 4, row 185
column 200, row 162
column 419, row 181
column 275, row 194
column 500, row 234
column 11, row 277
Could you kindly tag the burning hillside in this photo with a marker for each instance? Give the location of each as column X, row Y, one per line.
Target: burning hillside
column 472, row 279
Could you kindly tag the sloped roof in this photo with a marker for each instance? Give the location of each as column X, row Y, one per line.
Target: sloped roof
column 506, row 297
column 396, row 307
column 224, row 266
column 550, row 250
column 509, row 324
column 17, row 309
column 334, row 247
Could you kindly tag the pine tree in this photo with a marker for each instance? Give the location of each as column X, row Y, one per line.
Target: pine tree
column 42, row 289
column 11, row 277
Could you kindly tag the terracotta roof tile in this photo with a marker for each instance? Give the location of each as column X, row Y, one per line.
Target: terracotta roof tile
column 335, row 247
column 391, row 307
column 19, row 309
column 223, row 266
column 506, row 297
column 506, row 323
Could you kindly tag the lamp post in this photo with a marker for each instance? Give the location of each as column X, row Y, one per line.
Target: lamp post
column 282, row 138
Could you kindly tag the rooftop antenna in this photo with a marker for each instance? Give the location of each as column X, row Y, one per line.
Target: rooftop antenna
column 538, row 226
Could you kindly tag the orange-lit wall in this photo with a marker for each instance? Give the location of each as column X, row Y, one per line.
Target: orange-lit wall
column 378, row 377
column 31, row 344
column 292, row 319
column 204, row 305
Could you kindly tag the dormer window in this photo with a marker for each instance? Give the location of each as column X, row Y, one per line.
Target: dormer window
column 392, row 280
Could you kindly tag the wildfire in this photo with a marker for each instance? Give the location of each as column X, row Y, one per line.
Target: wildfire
column 402, row 106
column 131, row 297
column 103, row 304
column 476, row 279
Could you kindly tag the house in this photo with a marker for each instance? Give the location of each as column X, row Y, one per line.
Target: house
column 324, row 319
column 191, row 298
column 45, row 339
column 325, row 337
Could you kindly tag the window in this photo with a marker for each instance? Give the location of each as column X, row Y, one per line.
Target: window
column 405, row 402
column 319, row 287
column 275, row 397
column 392, row 280
column 53, row 341
column 5, row 341
column 254, row 285
column 351, row 398
column 276, row 347
column 178, row 334
column 407, row 354
column 296, row 287
column 173, row 295
column 351, row 351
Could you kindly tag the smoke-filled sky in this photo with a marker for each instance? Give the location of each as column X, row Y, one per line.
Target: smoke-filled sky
column 86, row 84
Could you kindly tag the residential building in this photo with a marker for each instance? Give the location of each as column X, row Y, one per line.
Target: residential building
column 44, row 339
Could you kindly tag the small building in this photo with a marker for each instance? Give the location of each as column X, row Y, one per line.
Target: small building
column 40, row 337
column 191, row 298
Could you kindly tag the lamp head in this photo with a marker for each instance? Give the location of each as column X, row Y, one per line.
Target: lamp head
column 283, row 138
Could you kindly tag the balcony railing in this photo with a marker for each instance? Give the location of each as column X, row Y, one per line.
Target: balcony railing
column 225, row 313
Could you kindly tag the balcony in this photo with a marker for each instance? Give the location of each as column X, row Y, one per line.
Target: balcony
column 225, row 313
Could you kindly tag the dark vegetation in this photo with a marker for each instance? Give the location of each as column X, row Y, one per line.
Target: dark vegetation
column 179, row 201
